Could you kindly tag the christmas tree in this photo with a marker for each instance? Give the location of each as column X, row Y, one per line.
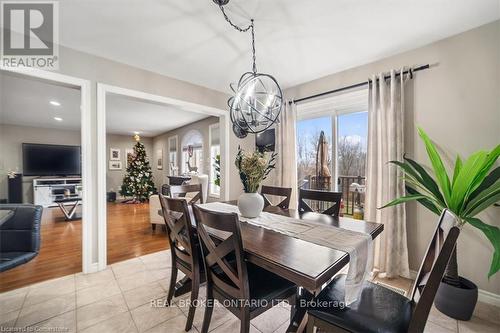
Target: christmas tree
column 138, row 182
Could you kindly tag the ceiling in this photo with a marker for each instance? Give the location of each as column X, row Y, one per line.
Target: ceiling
column 26, row 102
column 297, row 41
column 125, row 115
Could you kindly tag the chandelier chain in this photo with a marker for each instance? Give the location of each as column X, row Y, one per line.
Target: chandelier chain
column 250, row 27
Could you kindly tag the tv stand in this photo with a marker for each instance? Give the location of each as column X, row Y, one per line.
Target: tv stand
column 47, row 190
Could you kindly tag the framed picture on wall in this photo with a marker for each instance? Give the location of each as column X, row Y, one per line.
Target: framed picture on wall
column 129, row 153
column 159, row 159
column 115, row 165
column 114, row 154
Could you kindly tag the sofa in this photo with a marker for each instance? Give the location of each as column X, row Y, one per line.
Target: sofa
column 19, row 234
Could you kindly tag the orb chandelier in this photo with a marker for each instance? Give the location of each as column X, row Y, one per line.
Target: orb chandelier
column 258, row 98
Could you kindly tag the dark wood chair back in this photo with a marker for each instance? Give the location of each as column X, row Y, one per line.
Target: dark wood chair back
column 277, row 191
column 224, row 260
column 181, row 235
column 180, row 191
column 322, row 196
column 432, row 268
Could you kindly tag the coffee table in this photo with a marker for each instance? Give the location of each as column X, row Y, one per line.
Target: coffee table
column 70, row 214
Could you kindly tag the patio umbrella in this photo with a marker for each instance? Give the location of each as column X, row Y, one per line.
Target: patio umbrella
column 323, row 174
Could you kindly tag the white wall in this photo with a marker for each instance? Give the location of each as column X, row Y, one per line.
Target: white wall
column 457, row 102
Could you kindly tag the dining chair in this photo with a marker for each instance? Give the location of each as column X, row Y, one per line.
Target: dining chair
column 380, row 309
column 184, row 248
column 191, row 192
column 245, row 289
column 276, row 191
column 321, row 196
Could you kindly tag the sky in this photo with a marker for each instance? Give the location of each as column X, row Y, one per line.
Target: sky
column 353, row 125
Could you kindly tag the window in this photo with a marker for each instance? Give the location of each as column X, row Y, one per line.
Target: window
column 352, row 136
column 172, row 156
column 192, row 152
column 351, row 143
column 344, row 121
column 214, row 138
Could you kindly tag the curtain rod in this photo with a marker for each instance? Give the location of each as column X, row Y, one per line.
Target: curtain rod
column 361, row 84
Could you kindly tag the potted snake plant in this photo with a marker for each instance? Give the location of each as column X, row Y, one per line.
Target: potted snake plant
column 473, row 187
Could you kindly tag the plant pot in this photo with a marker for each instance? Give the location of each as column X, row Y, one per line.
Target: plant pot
column 457, row 302
column 250, row 204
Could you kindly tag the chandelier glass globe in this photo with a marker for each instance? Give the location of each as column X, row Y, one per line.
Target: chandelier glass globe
column 256, row 103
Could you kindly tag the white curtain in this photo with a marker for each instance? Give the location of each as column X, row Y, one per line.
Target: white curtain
column 383, row 180
column 286, row 164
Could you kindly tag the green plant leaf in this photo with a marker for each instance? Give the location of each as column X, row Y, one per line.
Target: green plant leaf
column 489, row 180
column 407, row 168
column 429, row 182
column 487, row 198
column 456, row 171
column 437, row 165
column 429, row 204
column 483, row 173
column 409, row 181
column 493, row 234
column 403, row 200
column 465, row 180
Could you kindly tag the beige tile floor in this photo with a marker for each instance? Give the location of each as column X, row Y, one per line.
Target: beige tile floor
column 118, row 299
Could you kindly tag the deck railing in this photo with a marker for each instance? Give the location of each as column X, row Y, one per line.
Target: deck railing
column 350, row 198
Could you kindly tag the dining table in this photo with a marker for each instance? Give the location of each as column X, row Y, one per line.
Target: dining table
column 306, row 264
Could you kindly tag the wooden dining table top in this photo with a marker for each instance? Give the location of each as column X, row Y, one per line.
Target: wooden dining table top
column 306, row 264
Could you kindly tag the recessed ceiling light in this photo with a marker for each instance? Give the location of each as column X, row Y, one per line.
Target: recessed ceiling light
column 136, row 132
column 58, row 118
column 55, row 103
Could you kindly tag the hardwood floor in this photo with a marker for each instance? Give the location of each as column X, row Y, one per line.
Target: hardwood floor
column 129, row 235
column 129, row 232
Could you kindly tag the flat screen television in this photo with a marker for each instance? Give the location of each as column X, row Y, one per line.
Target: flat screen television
column 51, row 160
column 265, row 141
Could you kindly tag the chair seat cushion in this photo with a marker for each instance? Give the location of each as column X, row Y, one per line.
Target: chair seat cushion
column 9, row 260
column 267, row 286
column 263, row 285
column 378, row 309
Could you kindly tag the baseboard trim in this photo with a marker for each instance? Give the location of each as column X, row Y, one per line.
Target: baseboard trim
column 488, row 298
column 94, row 267
column 483, row 295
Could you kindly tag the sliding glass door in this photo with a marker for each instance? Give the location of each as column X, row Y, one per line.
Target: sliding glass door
column 344, row 122
column 308, row 132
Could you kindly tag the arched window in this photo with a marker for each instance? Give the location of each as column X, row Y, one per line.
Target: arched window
column 192, row 152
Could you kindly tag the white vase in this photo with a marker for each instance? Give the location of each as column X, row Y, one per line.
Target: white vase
column 250, row 204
